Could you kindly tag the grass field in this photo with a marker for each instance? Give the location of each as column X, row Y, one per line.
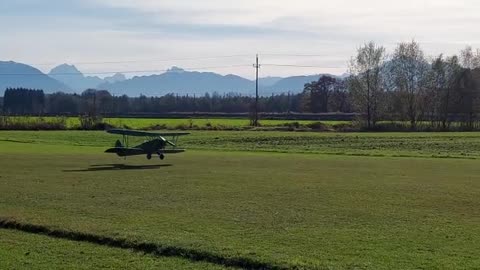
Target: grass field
column 139, row 123
column 29, row 251
column 172, row 123
column 464, row 145
column 277, row 200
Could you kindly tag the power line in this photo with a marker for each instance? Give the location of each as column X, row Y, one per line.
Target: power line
column 294, row 55
column 149, row 60
column 164, row 70
column 300, row 66
column 181, row 59
column 124, row 71
column 185, row 59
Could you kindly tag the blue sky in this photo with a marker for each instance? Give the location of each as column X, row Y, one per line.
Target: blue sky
column 46, row 33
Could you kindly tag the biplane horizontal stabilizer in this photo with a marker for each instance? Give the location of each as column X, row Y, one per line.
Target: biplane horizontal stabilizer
column 138, row 133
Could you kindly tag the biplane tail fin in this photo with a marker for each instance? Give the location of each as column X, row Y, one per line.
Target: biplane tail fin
column 118, row 144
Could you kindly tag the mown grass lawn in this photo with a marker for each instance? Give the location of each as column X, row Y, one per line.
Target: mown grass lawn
column 290, row 209
column 28, row 251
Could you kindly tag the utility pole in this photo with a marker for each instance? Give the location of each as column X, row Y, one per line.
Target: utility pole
column 95, row 104
column 257, row 66
column 289, row 103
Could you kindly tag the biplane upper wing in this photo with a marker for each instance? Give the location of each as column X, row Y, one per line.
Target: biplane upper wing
column 173, row 134
column 137, row 133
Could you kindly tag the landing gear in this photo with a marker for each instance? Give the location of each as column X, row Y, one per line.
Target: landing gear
column 161, row 156
column 149, row 156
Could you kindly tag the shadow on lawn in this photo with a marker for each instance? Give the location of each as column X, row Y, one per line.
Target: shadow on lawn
column 155, row 249
column 118, row 167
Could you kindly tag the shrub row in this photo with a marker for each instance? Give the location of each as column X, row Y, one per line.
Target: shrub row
column 97, row 123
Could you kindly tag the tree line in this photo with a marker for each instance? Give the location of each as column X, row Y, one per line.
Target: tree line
column 21, row 101
column 24, row 101
column 407, row 86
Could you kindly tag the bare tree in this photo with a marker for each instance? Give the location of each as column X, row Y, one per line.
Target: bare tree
column 467, row 98
column 409, row 74
column 444, row 78
column 340, row 99
column 318, row 93
column 366, row 81
column 470, row 59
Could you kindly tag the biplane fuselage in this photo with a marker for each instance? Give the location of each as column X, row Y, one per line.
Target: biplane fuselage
column 156, row 144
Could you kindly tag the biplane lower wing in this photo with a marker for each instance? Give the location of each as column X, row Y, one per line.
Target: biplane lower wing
column 171, row 151
column 123, row 151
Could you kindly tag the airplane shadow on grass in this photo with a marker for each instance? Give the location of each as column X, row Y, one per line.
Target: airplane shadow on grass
column 118, row 167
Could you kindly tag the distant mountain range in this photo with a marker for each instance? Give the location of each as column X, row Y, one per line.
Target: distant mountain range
column 268, row 81
column 293, row 84
column 71, row 76
column 177, row 80
column 20, row 75
column 68, row 78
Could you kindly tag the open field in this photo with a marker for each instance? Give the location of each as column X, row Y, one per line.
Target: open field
column 277, row 200
column 464, row 145
column 172, row 123
column 139, row 123
column 224, row 124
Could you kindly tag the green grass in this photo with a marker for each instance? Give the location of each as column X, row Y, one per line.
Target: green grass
column 144, row 123
column 139, row 123
column 27, row 251
column 457, row 145
column 293, row 209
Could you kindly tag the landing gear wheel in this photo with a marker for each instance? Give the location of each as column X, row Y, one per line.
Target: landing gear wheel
column 161, row 156
column 149, row 156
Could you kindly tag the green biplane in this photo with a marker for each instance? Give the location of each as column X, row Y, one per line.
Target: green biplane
column 155, row 143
